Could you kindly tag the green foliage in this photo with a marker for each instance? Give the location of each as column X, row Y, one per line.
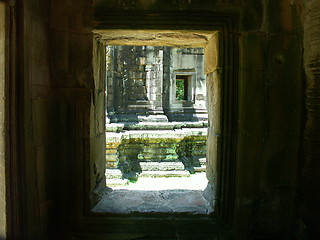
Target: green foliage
column 180, row 89
column 133, row 179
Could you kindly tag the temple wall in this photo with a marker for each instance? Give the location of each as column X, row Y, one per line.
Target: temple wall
column 142, row 84
column 60, row 139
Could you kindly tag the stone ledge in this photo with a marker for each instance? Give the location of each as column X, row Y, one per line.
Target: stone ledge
column 120, row 127
column 117, row 174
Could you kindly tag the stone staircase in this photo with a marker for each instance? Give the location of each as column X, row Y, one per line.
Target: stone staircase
column 154, row 153
column 114, row 177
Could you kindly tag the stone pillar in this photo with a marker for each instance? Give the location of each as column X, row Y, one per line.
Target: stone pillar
column 311, row 170
column 109, row 83
column 213, row 74
column 135, row 76
column 154, row 78
column 166, row 79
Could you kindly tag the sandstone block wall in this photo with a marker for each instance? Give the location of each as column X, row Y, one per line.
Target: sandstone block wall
column 310, row 190
column 141, row 84
column 159, row 150
column 57, row 97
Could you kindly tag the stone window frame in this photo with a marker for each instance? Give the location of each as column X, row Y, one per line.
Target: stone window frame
column 226, row 25
column 187, row 89
column 192, row 89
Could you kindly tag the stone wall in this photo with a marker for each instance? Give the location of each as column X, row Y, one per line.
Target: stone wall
column 310, row 190
column 37, row 142
column 58, row 99
column 135, row 81
column 270, row 102
column 187, row 62
column 141, row 84
column 141, row 94
column 270, row 118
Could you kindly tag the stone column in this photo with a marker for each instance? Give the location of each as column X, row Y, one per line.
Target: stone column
column 154, row 79
column 109, row 83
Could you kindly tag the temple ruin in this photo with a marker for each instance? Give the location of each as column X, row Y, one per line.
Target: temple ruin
column 156, row 109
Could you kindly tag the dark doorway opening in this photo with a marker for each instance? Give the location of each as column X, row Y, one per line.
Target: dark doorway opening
column 183, row 83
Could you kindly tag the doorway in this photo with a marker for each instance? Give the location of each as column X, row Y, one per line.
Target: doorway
column 131, row 110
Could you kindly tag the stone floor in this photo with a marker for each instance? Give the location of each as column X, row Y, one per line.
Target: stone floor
column 176, row 194
column 178, row 200
column 161, row 180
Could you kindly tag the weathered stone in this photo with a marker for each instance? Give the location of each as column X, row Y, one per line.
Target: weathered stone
column 132, row 148
column 147, row 95
column 155, row 38
column 52, row 109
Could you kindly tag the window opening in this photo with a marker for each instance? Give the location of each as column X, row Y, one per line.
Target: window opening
column 183, row 85
column 145, row 118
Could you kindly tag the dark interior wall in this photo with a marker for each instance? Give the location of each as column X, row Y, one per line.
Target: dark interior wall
column 310, row 187
column 270, row 118
column 60, row 100
column 37, row 142
column 61, row 126
column 78, row 107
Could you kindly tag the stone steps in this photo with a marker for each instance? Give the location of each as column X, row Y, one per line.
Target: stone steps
column 200, row 169
column 162, row 166
column 156, row 165
column 114, row 177
column 116, row 182
column 163, row 150
column 118, row 127
column 116, row 174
